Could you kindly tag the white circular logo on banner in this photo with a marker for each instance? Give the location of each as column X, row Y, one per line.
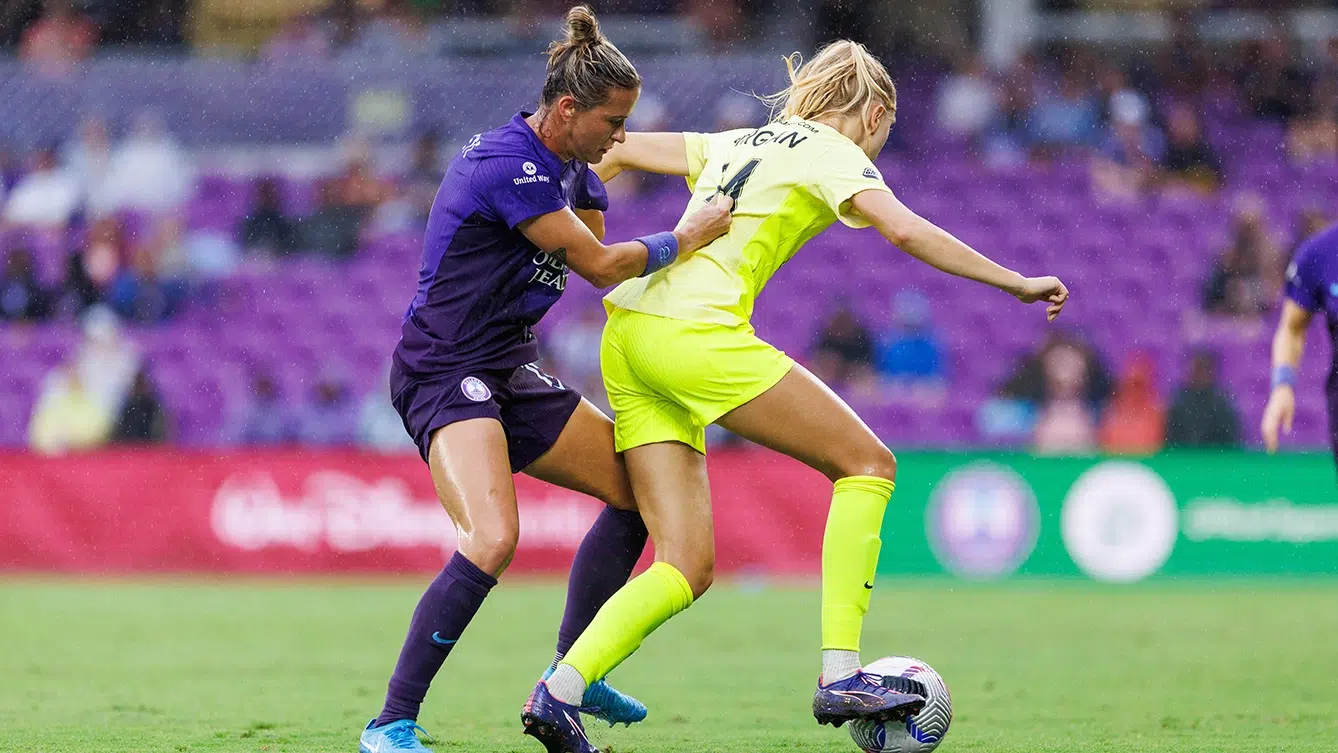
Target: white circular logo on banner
column 1119, row 522
column 529, row 168
column 475, row 389
column 982, row 521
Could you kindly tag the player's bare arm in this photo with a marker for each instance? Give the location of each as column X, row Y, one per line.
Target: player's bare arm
column 663, row 153
column 563, row 235
column 1288, row 345
column 593, row 219
column 940, row 249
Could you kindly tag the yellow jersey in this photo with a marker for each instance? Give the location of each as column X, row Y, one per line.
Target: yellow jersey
column 790, row 180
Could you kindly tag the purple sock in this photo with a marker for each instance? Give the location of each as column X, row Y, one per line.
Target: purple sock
column 603, row 563
column 441, row 616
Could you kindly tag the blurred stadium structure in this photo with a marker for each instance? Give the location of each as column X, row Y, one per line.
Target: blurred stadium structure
column 213, row 214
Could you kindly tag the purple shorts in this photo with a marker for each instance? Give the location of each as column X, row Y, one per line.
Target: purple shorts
column 532, row 406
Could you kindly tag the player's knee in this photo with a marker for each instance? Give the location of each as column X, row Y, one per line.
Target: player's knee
column 491, row 545
column 699, row 571
column 876, row 461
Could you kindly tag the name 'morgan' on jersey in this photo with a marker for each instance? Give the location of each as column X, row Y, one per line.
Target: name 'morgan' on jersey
column 790, row 180
column 482, row 284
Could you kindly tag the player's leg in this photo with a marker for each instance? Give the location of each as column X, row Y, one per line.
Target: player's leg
column 671, row 487
column 583, row 459
column 472, row 475
column 802, row 418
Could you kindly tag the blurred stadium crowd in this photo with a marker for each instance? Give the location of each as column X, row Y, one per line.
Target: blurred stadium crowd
column 150, row 299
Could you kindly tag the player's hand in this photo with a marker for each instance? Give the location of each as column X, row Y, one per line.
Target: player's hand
column 704, row 225
column 1048, row 289
column 1278, row 415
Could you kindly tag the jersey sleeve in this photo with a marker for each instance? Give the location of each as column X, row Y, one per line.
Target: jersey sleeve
column 840, row 173
column 514, row 189
column 1305, row 285
column 590, row 193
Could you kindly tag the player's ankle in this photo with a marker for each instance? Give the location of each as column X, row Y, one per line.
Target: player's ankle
column 566, row 685
column 838, row 664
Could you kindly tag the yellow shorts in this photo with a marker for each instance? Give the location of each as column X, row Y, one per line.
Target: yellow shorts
column 668, row 379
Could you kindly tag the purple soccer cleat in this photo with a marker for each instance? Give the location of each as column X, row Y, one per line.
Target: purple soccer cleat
column 555, row 724
column 866, row 696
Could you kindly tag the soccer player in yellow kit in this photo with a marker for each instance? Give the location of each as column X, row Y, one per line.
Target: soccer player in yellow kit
column 678, row 354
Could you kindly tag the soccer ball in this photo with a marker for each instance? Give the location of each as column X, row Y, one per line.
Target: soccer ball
column 921, row 732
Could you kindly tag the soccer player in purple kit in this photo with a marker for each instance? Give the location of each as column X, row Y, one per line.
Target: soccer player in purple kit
column 517, row 208
column 1312, row 288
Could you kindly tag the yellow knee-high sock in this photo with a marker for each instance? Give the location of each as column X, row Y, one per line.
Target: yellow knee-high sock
column 634, row 612
column 850, row 548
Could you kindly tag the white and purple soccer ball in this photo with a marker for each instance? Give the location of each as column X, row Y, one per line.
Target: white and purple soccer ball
column 921, row 732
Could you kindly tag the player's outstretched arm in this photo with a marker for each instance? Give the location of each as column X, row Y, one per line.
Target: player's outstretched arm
column 1288, row 345
column 663, row 153
column 569, row 240
column 940, row 249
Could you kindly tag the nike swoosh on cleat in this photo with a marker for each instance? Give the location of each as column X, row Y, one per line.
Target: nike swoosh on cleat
column 437, row 639
column 868, row 585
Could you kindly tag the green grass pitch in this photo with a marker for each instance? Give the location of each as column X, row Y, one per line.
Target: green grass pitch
column 205, row 665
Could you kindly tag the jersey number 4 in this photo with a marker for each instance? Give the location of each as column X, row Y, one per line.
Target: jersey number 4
column 734, row 186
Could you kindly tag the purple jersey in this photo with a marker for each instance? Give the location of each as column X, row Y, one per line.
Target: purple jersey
column 1312, row 282
column 483, row 285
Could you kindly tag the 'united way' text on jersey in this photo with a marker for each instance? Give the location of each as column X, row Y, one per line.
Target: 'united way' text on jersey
column 482, row 284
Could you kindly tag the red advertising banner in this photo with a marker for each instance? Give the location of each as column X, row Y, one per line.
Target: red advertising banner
column 301, row 511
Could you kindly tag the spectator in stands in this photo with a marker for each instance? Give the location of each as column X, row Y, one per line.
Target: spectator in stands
column 1029, row 382
column 140, row 293
column 359, row 185
column 1064, row 425
column 143, row 419
column 1128, row 160
column 22, row 295
column 330, row 418
column 968, row 100
column 60, row 38
column 265, row 419
column 148, row 171
column 911, row 354
column 68, row 416
column 1245, row 280
column 91, row 270
column 1273, row 84
column 843, row 354
column 1135, row 419
column 1313, row 137
column 1066, row 118
column 1189, row 161
column 87, row 158
column 107, row 360
column 266, row 228
column 80, row 290
column 47, row 197
column 1203, row 414
column 333, row 229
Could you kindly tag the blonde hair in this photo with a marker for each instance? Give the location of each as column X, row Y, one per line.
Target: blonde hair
column 585, row 64
column 842, row 78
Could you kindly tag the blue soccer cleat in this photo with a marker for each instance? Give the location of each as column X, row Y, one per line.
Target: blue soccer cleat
column 400, row 735
column 866, row 696
column 606, row 703
column 555, row 724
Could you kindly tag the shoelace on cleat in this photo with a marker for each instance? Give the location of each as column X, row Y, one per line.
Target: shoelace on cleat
column 904, row 685
column 405, row 737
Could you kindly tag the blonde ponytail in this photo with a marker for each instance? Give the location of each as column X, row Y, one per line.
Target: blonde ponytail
column 842, row 78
